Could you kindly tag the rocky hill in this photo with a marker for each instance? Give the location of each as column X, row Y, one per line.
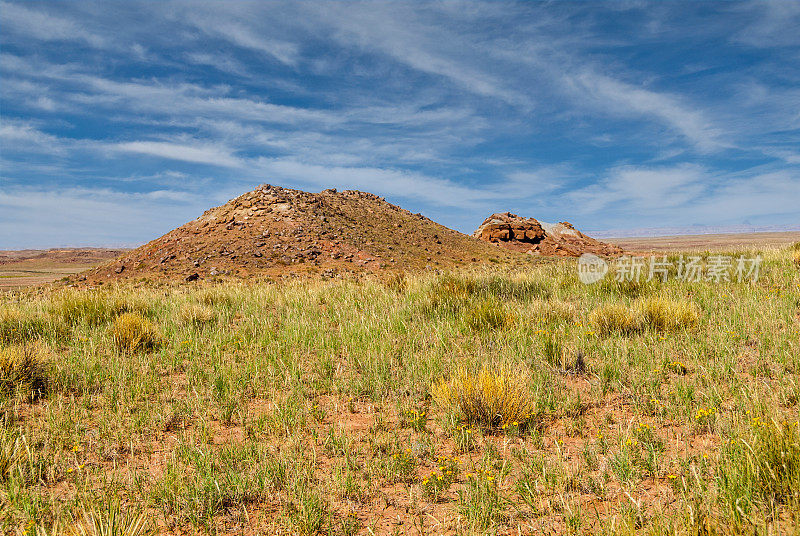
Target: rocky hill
column 276, row 231
column 539, row 238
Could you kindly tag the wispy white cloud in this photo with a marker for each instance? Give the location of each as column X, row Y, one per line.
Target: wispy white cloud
column 89, row 216
column 396, row 31
column 240, row 35
column 191, row 99
column 620, row 98
column 343, row 172
column 644, row 189
column 388, row 182
column 750, row 195
column 35, row 23
column 221, row 62
column 771, row 24
column 198, row 154
column 178, row 100
column 687, row 194
column 23, row 135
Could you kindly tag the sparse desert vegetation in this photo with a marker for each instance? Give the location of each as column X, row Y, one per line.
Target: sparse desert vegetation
column 495, row 400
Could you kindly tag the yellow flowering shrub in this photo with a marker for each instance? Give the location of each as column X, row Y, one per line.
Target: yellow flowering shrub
column 493, row 397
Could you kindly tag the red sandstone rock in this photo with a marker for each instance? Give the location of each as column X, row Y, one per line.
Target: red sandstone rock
column 538, row 238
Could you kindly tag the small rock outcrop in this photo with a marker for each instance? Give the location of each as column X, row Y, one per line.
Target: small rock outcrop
column 508, row 227
column 539, row 238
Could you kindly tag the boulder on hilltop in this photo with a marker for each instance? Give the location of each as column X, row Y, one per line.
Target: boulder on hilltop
column 539, row 238
column 508, row 227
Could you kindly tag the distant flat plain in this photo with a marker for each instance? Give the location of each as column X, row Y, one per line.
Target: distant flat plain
column 706, row 242
column 30, row 267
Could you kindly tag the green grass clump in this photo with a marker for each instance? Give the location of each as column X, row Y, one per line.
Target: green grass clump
column 491, row 398
column 24, row 370
column 664, row 314
column 310, row 513
column 632, row 288
column 493, row 286
column 219, row 296
column 196, row 314
column 20, row 465
column 199, row 484
column 480, row 501
column 762, row 470
column 17, row 327
column 91, row 307
column 132, row 333
column 114, row 520
column 552, row 310
column 656, row 313
column 508, row 288
column 487, row 315
column 10, row 453
column 615, row 318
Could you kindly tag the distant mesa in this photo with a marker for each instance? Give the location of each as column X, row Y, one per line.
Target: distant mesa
column 531, row 236
column 278, row 232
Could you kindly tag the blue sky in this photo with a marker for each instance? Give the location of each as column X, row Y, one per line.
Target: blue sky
column 122, row 120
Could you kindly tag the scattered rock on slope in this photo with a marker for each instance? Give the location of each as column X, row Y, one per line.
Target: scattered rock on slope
column 540, row 238
column 276, row 231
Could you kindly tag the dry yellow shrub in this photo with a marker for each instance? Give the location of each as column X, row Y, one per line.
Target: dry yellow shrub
column 615, row 317
column 132, row 332
column 196, row 314
column 553, row 310
column 491, row 398
column 24, row 369
column 218, row 296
